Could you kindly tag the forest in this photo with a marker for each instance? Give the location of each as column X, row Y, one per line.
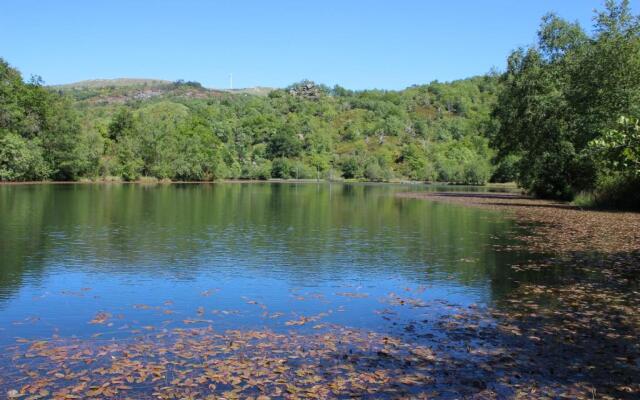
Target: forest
column 182, row 131
column 561, row 120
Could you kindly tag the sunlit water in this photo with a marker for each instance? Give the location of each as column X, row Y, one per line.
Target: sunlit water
column 249, row 256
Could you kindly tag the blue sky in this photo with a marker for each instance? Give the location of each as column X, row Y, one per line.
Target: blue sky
column 357, row 44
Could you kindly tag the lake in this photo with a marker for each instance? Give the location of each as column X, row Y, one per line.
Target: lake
column 112, row 264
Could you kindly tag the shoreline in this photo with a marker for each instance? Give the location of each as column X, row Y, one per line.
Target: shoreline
column 588, row 311
column 558, row 227
column 505, row 186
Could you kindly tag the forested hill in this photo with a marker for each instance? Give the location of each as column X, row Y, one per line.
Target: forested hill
column 183, row 131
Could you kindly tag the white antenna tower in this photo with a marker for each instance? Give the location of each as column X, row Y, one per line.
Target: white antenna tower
column 230, row 81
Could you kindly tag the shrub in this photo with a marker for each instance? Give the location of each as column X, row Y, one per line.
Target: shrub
column 21, row 159
column 618, row 191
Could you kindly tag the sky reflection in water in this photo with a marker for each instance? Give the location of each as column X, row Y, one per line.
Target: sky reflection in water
column 252, row 255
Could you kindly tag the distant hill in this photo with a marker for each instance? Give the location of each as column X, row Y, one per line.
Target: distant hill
column 118, row 82
column 256, row 91
column 150, row 83
column 122, row 90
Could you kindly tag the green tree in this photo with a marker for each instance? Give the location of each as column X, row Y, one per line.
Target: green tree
column 564, row 93
column 618, row 150
column 284, row 143
column 21, row 159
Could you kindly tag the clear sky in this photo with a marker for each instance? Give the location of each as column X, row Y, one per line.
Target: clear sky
column 357, row 44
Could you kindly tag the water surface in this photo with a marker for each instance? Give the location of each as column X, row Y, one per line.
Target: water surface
column 146, row 254
column 239, row 290
column 104, row 264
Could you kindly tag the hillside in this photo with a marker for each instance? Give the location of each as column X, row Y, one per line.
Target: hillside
column 132, row 128
column 117, row 82
column 256, row 91
column 123, row 90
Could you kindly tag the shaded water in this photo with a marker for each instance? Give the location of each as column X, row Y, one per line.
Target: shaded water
column 146, row 254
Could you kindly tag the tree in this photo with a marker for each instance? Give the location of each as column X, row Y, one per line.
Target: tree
column 21, row 159
column 284, row 143
column 351, row 167
column 564, row 93
column 44, row 119
column 618, row 150
column 122, row 124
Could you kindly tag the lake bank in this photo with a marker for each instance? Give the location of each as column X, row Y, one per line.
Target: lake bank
column 153, row 181
column 583, row 328
column 557, row 226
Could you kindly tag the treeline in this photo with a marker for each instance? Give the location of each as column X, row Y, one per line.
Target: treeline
column 569, row 107
column 181, row 131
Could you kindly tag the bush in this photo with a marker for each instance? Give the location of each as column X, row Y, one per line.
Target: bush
column 506, row 170
column 476, row 172
column 21, row 159
column 551, row 174
column 282, row 168
column 258, row 169
column 618, row 191
column 373, row 172
column 351, row 167
column 300, row 170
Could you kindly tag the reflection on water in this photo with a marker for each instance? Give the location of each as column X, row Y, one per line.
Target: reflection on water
column 240, row 252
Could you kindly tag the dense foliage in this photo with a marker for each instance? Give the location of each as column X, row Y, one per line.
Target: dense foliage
column 182, row 131
column 562, row 103
column 39, row 131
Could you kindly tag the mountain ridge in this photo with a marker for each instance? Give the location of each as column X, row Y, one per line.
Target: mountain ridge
column 118, row 82
column 150, row 83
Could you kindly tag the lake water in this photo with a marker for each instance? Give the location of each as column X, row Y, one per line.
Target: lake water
column 109, row 262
